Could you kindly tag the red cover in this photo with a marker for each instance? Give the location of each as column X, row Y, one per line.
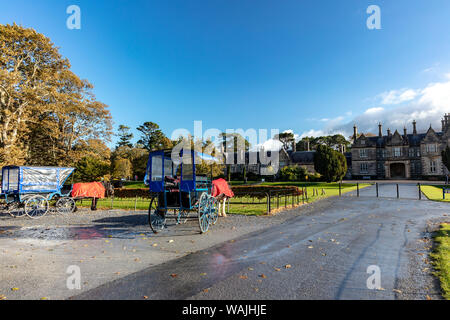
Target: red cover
column 88, row 190
column 221, row 186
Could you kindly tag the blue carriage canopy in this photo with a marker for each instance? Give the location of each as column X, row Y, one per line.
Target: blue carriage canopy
column 161, row 165
column 26, row 179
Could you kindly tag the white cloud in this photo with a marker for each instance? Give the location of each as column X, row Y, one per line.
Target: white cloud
column 374, row 110
column 427, row 107
column 397, row 96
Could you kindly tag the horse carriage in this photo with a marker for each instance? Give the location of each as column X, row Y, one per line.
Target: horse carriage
column 176, row 187
column 30, row 190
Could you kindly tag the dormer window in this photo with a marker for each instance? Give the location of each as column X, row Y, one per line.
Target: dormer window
column 363, row 142
column 397, row 152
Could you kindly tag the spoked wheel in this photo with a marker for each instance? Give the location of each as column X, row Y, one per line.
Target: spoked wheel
column 156, row 218
column 36, row 207
column 203, row 213
column 182, row 216
column 15, row 209
column 213, row 209
column 65, row 205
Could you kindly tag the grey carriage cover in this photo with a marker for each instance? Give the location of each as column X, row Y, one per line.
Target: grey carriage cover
column 44, row 179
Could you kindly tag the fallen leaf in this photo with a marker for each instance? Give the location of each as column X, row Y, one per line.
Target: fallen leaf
column 277, row 269
column 145, row 297
column 171, row 241
column 251, row 269
column 397, row 291
column 174, row 275
column 263, row 276
column 206, row 290
column 243, row 277
column 428, row 297
column 310, row 247
column 203, row 274
column 44, row 298
column 155, row 245
column 2, row 297
column 14, row 289
column 288, row 266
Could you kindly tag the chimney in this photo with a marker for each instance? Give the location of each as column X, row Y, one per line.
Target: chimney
column 389, row 132
column 443, row 125
column 307, row 144
column 405, row 132
column 355, row 133
column 414, row 127
column 380, row 130
column 294, row 146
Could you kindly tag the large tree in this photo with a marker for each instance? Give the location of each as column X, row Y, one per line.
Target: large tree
column 125, row 136
column 331, row 164
column 286, row 138
column 332, row 141
column 152, row 138
column 45, row 109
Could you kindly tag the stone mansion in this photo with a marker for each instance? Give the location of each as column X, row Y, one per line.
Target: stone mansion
column 400, row 156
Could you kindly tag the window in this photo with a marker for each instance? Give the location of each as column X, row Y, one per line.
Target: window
column 364, row 168
column 397, row 152
column 363, row 153
column 431, row 148
column 433, row 166
column 157, row 164
column 411, row 152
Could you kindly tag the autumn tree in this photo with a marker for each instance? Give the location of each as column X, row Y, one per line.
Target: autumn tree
column 45, row 109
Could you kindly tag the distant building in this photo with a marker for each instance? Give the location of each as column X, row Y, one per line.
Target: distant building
column 400, row 156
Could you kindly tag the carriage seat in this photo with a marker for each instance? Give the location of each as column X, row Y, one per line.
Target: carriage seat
column 172, row 184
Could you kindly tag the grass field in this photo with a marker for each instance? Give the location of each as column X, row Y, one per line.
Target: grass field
column 322, row 190
column 441, row 256
column 435, row 193
column 241, row 205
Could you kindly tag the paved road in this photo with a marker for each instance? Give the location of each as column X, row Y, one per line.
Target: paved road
column 389, row 190
column 323, row 253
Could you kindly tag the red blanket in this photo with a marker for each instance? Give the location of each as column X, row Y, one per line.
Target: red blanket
column 221, row 186
column 88, row 190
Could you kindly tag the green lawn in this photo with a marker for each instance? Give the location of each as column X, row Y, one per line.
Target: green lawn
column 134, row 185
column 441, row 256
column 242, row 205
column 435, row 193
column 260, row 206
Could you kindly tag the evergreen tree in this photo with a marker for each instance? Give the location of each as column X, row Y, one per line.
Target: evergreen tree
column 331, row 164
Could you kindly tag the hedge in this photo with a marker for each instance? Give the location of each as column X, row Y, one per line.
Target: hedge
column 261, row 191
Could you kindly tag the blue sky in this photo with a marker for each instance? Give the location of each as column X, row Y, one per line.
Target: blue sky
column 308, row 66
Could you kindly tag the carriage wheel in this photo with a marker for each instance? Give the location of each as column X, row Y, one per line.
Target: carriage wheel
column 203, row 213
column 65, row 205
column 36, row 207
column 182, row 216
column 214, row 212
column 15, row 209
column 156, row 218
